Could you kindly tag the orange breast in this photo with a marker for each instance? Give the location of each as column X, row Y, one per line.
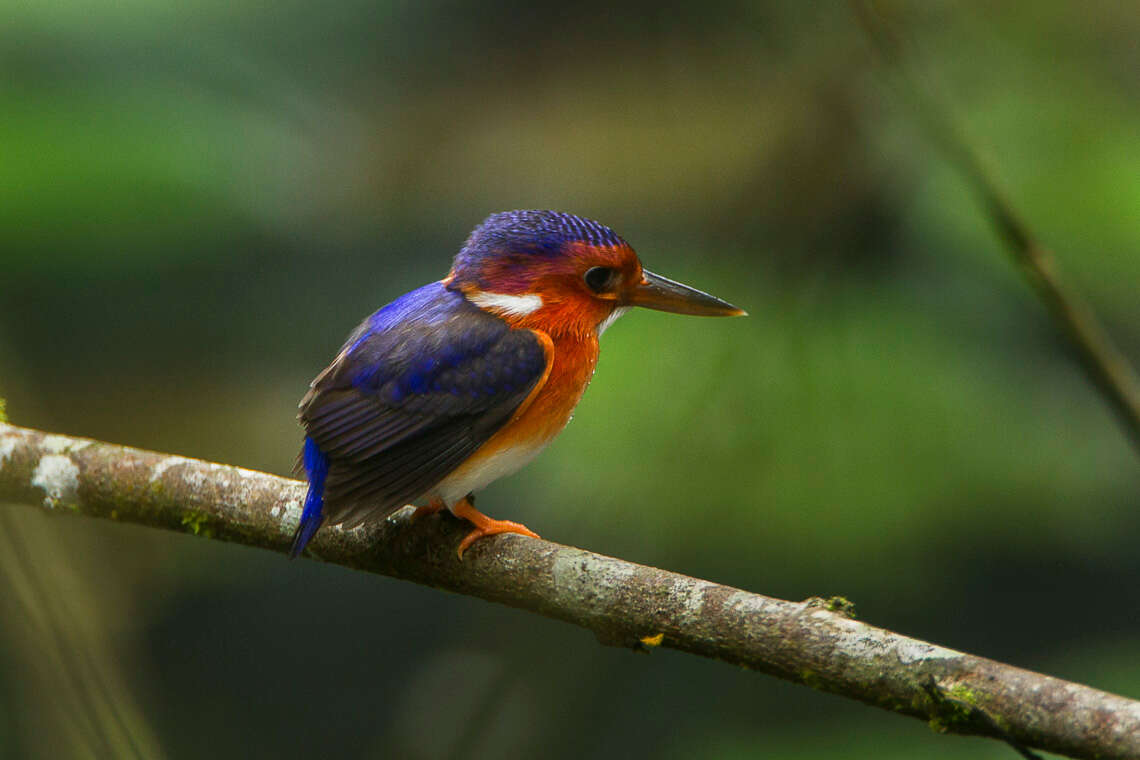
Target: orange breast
column 539, row 419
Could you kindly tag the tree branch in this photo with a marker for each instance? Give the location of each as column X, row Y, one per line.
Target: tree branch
column 1104, row 363
column 814, row 642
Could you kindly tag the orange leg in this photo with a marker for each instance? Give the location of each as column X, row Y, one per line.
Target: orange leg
column 432, row 507
column 484, row 526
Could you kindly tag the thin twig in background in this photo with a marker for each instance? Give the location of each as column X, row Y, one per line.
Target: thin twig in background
column 815, row 642
column 1105, row 364
column 72, row 693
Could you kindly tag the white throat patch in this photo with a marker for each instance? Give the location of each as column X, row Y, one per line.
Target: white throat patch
column 613, row 317
column 504, row 304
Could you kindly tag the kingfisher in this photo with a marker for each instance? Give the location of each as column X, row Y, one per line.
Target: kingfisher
column 467, row 379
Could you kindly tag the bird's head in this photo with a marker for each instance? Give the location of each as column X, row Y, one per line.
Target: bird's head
column 560, row 272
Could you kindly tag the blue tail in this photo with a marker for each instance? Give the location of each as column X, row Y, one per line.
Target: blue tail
column 316, row 467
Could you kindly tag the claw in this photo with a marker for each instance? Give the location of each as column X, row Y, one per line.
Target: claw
column 484, row 526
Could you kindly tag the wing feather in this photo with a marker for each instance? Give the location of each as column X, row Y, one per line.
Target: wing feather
column 417, row 388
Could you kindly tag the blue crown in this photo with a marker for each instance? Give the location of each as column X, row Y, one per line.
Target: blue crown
column 533, row 232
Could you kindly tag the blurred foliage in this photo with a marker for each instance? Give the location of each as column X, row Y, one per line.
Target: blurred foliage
column 201, row 200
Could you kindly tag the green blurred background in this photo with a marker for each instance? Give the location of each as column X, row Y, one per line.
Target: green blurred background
column 199, row 201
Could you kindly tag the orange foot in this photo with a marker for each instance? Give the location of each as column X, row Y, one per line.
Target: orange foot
column 432, row 507
column 484, row 526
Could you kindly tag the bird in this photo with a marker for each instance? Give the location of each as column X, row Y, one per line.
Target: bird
column 465, row 380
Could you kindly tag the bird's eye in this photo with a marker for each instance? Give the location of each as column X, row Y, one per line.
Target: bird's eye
column 600, row 279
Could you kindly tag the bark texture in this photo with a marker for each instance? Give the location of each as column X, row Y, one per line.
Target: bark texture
column 814, row 642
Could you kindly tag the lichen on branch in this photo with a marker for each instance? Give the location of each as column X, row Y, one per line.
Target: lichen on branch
column 816, row 642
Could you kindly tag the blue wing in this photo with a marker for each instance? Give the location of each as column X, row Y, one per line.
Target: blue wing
column 415, row 390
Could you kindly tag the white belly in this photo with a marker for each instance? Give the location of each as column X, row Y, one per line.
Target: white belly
column 483, row 469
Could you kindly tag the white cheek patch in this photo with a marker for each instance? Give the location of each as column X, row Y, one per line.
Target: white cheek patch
column 505, row 304
column 613, row 317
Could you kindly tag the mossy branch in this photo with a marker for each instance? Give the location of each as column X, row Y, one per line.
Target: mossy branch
column 815, row 642
column 1104, row 363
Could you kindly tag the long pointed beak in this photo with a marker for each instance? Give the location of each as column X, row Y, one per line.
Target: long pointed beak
column 661, row 293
